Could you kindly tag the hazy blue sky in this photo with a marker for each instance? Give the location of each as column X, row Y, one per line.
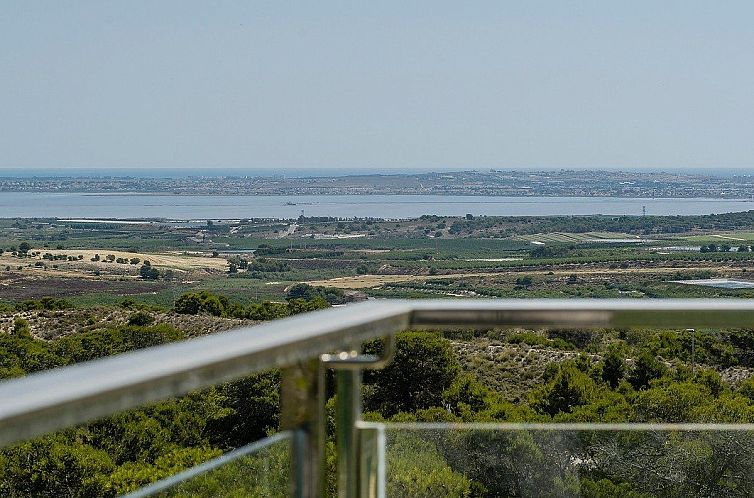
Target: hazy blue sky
column 376, row 84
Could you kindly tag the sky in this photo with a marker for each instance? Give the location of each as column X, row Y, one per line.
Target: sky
column 390, row 84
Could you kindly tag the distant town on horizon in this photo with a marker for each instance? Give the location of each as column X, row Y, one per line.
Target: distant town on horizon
column 490, row 182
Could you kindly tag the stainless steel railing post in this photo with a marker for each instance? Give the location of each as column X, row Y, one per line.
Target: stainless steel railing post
column 348, row 412
column 348, row 366
column 303, row 412
column 372, row 473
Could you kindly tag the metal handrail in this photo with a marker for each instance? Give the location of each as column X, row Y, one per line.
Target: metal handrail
column 45, row 401
column 63, row 397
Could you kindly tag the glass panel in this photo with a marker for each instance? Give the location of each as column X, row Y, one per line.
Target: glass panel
column 635, row 461
column 259, row 470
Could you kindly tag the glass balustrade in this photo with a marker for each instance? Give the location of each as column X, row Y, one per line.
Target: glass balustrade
column 258, row 470
column 561, row 460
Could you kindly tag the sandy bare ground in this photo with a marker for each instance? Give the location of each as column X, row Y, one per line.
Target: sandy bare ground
column 725, row 237
column 369, row 281
column 168, row 259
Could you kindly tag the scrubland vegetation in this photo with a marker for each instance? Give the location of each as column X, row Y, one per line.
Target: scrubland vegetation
column 64, row 299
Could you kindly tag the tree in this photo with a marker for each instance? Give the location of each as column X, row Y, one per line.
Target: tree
column 568, row 389
column 423, row 367
column 466, row 396
column 747, row 389
column 418, row 469
column 296, row 306
column 524, row 282
column 613, row 367
column 148, row 273
column 300, row 291
column 308, row 292
column 55, row 466
column 194, row 303
column 24, row 247
column 646, row 369
column 254, row 407
column 605, row 488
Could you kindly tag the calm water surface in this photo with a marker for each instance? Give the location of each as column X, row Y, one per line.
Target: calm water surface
column 69, row 205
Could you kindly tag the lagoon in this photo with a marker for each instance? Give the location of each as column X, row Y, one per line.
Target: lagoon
column 189, row 207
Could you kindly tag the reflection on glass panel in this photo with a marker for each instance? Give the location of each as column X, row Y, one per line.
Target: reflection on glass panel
column 637, row 462
column 259, row 470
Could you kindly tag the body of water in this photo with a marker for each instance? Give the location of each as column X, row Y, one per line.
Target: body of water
column 81, row 205
column 722, row 283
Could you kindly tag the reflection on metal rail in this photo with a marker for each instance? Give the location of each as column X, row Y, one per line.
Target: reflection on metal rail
column 64, row 397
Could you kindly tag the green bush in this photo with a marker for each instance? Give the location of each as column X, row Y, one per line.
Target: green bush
column 423, row 367
column 141, row 319
column 418, row 470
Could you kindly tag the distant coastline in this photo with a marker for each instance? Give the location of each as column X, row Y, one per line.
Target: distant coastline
column 11, row 172
column 488, row 183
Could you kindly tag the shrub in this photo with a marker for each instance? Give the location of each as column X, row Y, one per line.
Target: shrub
column 21, row 328
column 141, row 319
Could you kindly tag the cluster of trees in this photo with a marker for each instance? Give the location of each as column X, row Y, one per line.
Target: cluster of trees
column 45, row 303
column 551, row 251
column 205, row 302
column 256, row 267
column 268, row 250
column 61, row 257
column 633, row 379
column 523, row 225
column 309, row 292
column 119, row 454
column 718, row 248
column 426, row 384
column 110, row 258
column 24, row 250
column 724, row 248
column 149, row 272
